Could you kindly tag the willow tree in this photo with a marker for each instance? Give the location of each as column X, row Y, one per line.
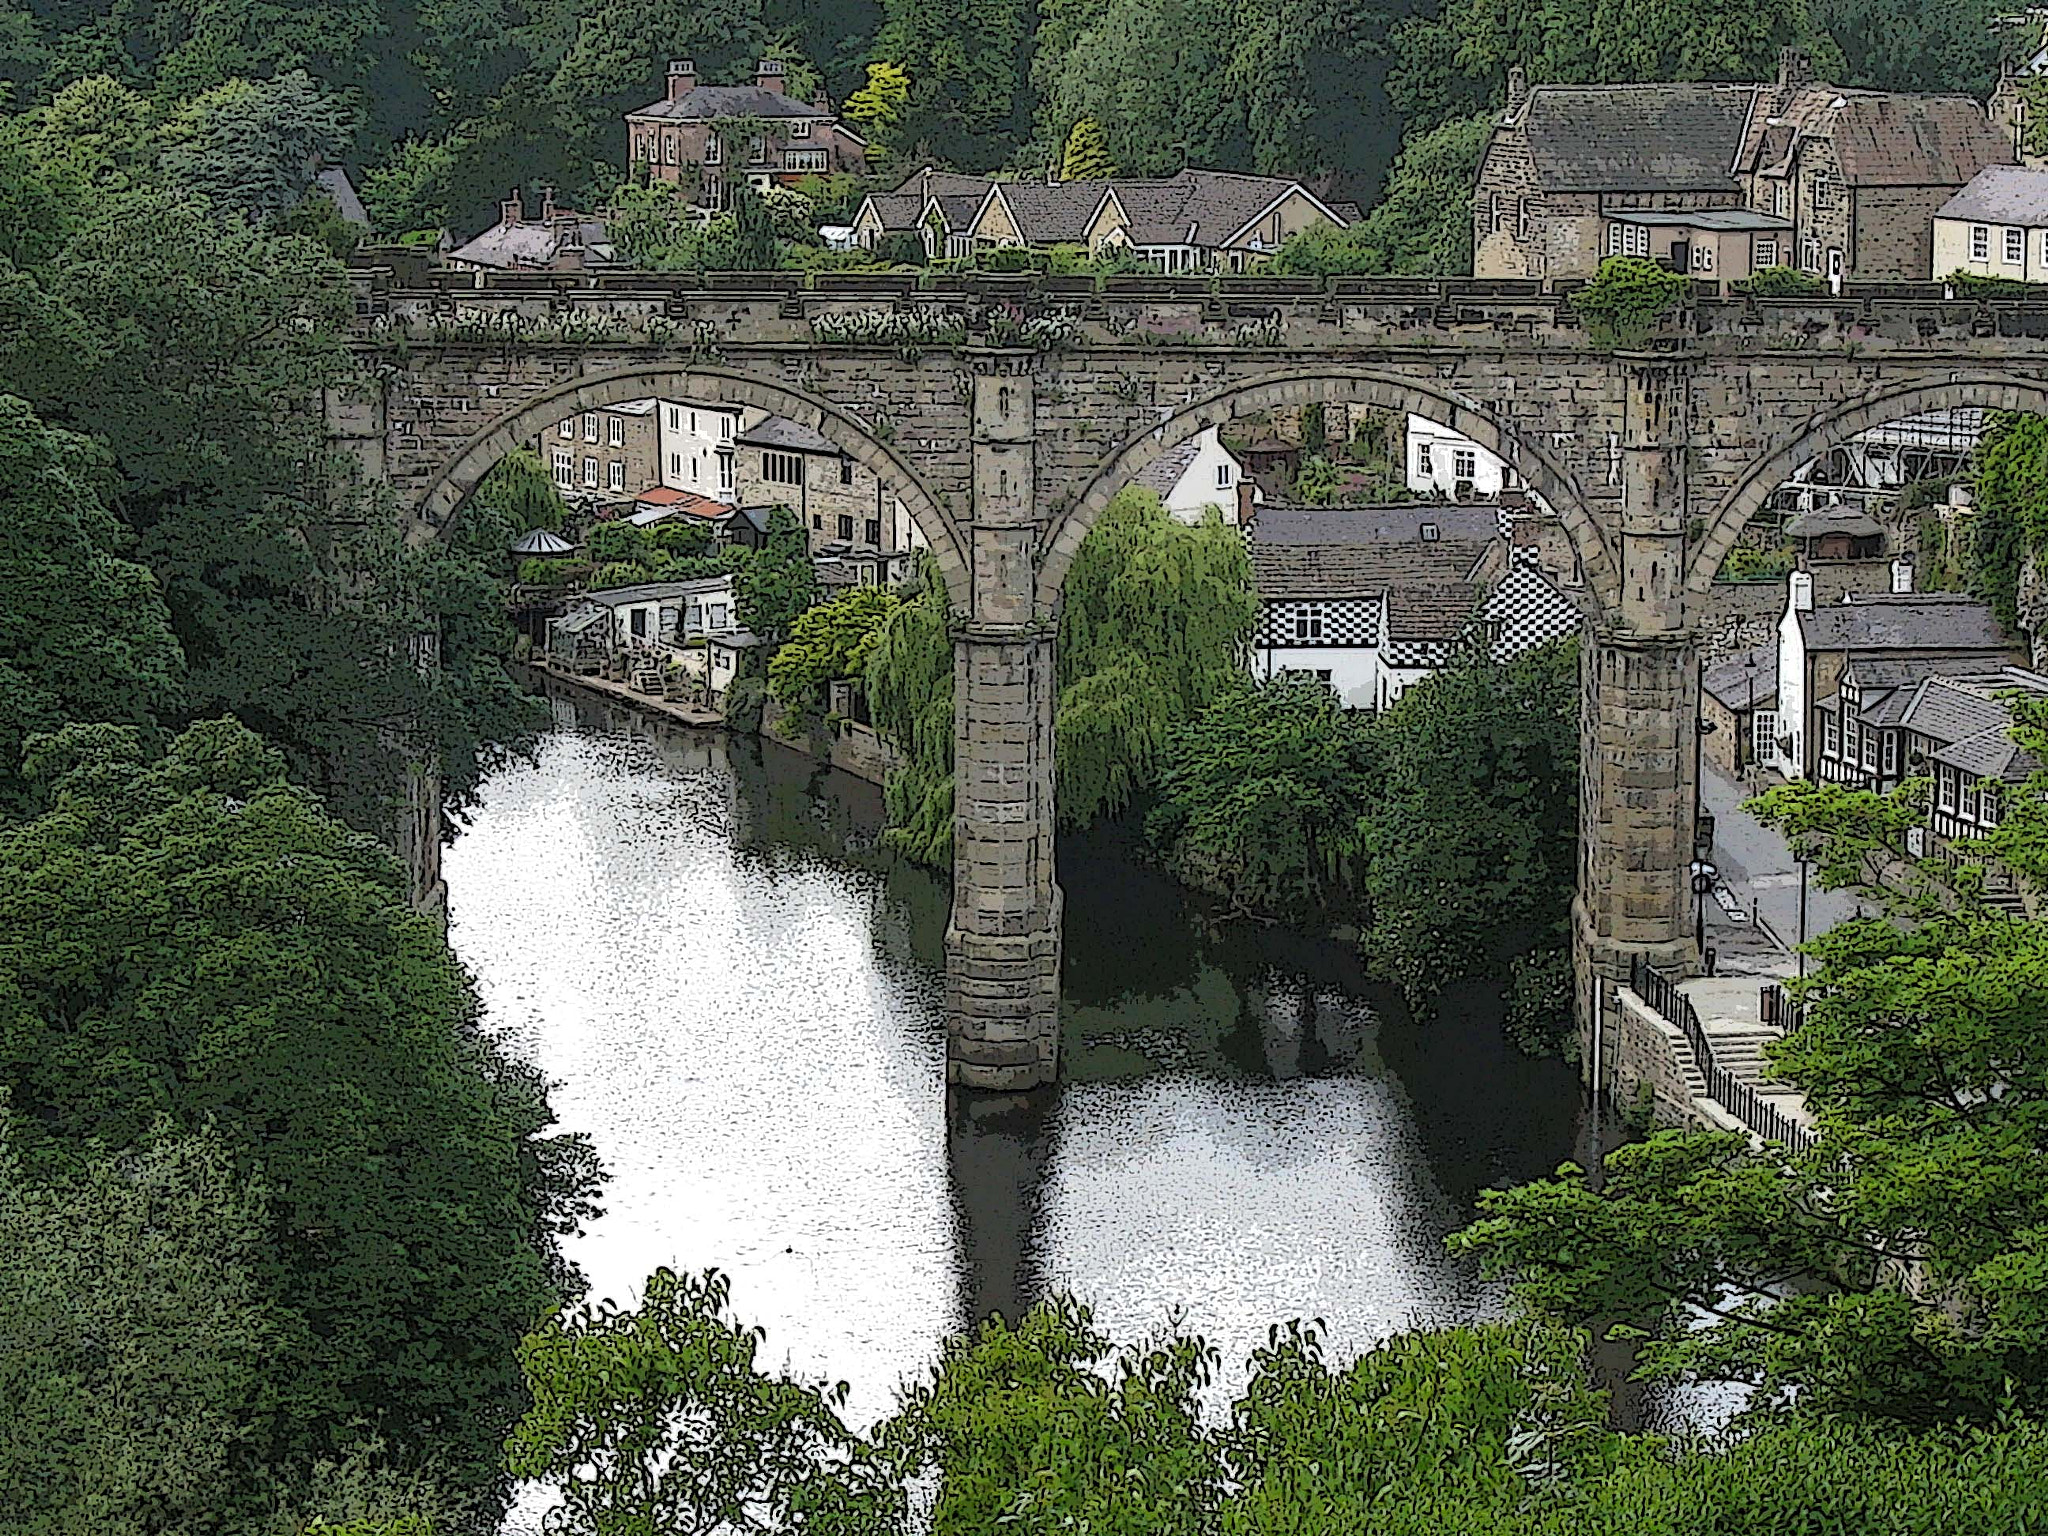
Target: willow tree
column 1155, row 623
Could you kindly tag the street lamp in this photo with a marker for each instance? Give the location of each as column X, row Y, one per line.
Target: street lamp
column 1745, row 750
column 1703, row 875
column 1803, row 854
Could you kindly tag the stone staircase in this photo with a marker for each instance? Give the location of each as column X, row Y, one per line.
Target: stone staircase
column 645, row 677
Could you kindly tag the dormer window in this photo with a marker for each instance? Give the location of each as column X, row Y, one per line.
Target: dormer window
column 800, row 129
column 1430, row 533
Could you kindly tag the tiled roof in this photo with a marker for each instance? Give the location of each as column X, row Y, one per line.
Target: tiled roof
column 708, row 103
column 1903, row 622
column 668, row 502
column 1055, row 214
column 1284, row 571
column 537, row 243
column 1436, row 610
column 793, row 436
column 1892, row 140
column 1194, row 207
column 1388, row 523
column 1636, row 138
column 898, row 211
column 2001, row 194
column 1732, row 681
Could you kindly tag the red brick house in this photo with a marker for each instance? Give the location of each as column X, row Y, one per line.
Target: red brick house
column 678, row 137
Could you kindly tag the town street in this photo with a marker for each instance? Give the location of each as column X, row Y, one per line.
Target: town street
column 1753, row 914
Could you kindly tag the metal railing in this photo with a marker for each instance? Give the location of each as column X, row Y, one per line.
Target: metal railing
column 1776, row 1008
column 1740, row 1099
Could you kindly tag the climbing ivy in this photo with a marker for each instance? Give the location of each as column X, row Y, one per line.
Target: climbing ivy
column 1626, row 299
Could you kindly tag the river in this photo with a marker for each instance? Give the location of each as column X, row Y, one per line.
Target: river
column 737, row 995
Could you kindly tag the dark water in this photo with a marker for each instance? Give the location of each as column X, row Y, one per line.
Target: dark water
column 738, row 996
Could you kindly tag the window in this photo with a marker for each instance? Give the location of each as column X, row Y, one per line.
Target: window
column 675, row 465
column 1869, row 750
column 1891, row 751
column 1980, row 242
column 636, row 620
column 725, row 474
column 1522, row 220
column 846, row 471
column 675, row 418
column 725, row 429
column 1781, row 199
column 801, row 129
column 757, row 151
column 1766, row 254
column 1944, row 787
column 1308, row 622
column 717, row 615
column 714, row 152
column 565, row 467
column 615, row 431
column 2015, row 247
column 1830, row 734
column 817, row 522
column 1627, row 240
column 1969, row 797
column 1809, row 255
column 1464, row 464
column 668, row 148
column 1988, row 811
column 845, row 528
column 693, row 421
column 696, row 467
column 617, row 474
column 782, row 468
column 568, row 428
column 1763, row 731
column 590, row 427
column 1431, row 533
column 1222, row 477
column 803, row 159
column 873, row 532
column 590, row 473
column 1425, row 460
column 1493, row 213
column 1322, row 674
column 2044, row 247
column 1703, row 258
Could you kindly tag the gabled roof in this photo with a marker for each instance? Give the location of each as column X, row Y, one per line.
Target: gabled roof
column 896, row 212
column 1889, row 139
column 1200, row 207
column 1636, row 138
column 1529, row 608
column 709, row 103
column 1736, row 684
column 928, row 182
column 342, row 193
column 536, row 243
column 1164, row 472
column 791, row 436
column 1430, row 610
column 1904, row 621
column 1326, row 572
column 1044, row 214
column 2001, row 194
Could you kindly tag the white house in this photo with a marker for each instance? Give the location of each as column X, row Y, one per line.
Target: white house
column 663, row 615
column 1196, row 475
column 1996, row 226
column 1444, row 462
column 697, row 446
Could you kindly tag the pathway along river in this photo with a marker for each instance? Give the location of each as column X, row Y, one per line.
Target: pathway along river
column 738, row 997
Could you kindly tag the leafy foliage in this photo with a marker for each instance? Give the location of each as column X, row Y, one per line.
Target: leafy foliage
column 1782, row 283
column 1261, row 795
column 2009, row 527
column 910, row 699
column 778, row 583
column 1087, row 156
column 833, row 640
column 196, row 939
column 1627, row 297
column 1421, row 225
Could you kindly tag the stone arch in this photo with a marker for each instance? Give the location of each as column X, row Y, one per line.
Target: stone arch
column 437, row 508
column 1836, row 425
column 1332, row 385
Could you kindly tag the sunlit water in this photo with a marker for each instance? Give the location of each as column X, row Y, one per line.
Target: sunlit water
column 738, row 998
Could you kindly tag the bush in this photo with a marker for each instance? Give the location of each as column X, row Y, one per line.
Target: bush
column 552, row 573
column 900, row 248
column 1746, row 563
column 745, row 701
column 1781, row 283
column 1623, row 303
column 1967, row 285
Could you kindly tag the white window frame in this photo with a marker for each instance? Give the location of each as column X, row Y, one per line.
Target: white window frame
column 725, row 474
column 813, row 160
column 1308, row 623
column 1891, row 752
column 1830, row 734
column 800, row 129
column 615, row 474
column 590, row 426
column 2015, row 247
column 1222, row 477
column 714, row 151
column 564, row 464
column 725, row 429
column 1766, row 253
column 1464, row 464
column 1966, row 796
column 1763, row 735
column 589, row 472
column 568, row 429
column 1944, row 788
column 1980, row 242
column 669, row 153
column 1781, row 198
column 2044, row 248
column 615, row 431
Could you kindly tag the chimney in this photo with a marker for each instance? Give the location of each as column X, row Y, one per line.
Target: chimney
column 1902, row 575
column 1795, row 67
column 1247, row 501
column 682, row 76
column 1518, row 89
column 547, row 205
column 768, row 75
column 1801, row 584
column 512, row 210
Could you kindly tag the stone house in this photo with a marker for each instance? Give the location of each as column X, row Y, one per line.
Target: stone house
column 660, row 616
column 1817, row 644
column 1861, row 174
column 1721, row 180
column 936, row 206
column 1739, row 701
column 1997, row 226
column 678, row 138
column 606, row 454
column 779, row 462
column 726, row 658
column 560, row 240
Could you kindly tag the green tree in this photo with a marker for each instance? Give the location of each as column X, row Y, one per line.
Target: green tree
column 881, row 107
column 779, row 583
column 1087, row 156
column 1472, row 834
column 84, row 634
column 1311, row 82
column 522, row 494
column 834, row 640
column 196, row 939
column 1261, row 795
column 1421, row 225
column 969, row 100
column 251, row 147
column 659, row 1419
column 754, row 247
column 910, row 699
column 1151, row 73
column 2009, row 528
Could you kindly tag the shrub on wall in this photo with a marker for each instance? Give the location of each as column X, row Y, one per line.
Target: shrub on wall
column 1623, row 303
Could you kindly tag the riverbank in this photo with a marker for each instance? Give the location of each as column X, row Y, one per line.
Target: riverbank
column 697, row 716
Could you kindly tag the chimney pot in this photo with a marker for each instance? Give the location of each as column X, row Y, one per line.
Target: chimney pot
column 1518, row 88
column 682, row 77
column 513, row 208
column 768, row 76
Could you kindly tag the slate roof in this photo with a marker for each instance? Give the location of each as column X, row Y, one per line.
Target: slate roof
column 939, row 183
column 708, row 103
column 1887, row 139
column 658, row 591
column 1991, row 754
column 1701, row 218
column 898, row 211
column 735, row 640
column 335, row 183
column 791, row 436
column 1195, row 207
column 1903, row 622
column 1729, row 681
column 1821, row 521
column 1393, row 522
column 1282, row 572
column 536, row 243
column 2001, row 194
column 1436, row 610
column 1636, row 138
column 1055, row 214
column 1164, row 472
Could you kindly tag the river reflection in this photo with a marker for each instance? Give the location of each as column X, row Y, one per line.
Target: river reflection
column 738, row 996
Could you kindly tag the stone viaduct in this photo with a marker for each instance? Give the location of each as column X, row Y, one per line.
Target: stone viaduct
column 1006, row 411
